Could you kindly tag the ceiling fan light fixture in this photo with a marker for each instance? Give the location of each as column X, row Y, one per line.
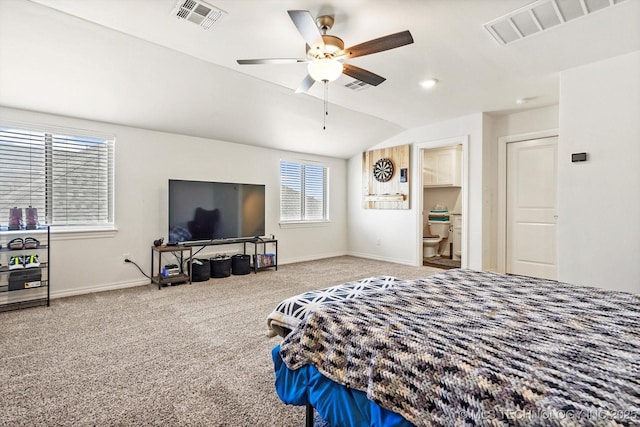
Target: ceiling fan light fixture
column 324, row 69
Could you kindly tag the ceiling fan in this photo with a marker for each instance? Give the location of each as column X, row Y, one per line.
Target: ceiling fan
column 326, row 53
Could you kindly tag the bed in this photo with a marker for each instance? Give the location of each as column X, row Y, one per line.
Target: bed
column 288, row 313
column 464, row 347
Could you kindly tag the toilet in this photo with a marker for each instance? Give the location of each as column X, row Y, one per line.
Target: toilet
column 438, row 231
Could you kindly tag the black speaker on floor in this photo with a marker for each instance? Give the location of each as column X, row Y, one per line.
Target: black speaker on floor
column 240, row 264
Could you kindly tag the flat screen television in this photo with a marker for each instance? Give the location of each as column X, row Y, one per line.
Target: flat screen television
column 201, row 211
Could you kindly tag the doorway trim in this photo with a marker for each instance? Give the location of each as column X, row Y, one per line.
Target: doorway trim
column 502, row 187
column 419, row 147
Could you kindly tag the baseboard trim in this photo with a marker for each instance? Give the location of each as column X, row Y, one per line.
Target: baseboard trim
column 380, row 258
column 99, row 288
column 311, row 258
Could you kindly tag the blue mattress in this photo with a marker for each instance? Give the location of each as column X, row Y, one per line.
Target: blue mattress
column 335, row 403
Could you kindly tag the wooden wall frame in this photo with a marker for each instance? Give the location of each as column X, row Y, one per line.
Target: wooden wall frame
column 383, row 188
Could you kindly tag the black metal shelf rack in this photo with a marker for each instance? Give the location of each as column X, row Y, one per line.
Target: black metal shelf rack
column 34, row 293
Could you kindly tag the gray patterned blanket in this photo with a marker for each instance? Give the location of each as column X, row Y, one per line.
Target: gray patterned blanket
column 475, row 348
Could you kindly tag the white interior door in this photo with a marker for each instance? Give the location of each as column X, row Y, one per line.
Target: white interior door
column 531, row 208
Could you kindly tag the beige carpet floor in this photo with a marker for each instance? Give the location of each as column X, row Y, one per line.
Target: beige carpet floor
column 188, row 355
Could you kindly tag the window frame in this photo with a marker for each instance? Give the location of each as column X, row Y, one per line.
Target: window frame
column 326, row 206
column 88, row 230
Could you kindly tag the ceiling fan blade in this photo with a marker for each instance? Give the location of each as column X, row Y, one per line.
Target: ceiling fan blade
column 307, row 27
column 272, row 61
column 306, row 84
column 378, row 45
column 362, row 75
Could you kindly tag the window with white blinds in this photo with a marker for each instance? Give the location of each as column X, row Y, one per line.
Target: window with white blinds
column 69, row 179
column 303, row 192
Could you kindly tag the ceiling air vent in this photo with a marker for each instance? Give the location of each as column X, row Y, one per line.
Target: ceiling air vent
column 540, row 16
column 357, row 85
column 198, row 12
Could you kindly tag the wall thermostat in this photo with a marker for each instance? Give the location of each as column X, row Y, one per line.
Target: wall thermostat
column 578, row 157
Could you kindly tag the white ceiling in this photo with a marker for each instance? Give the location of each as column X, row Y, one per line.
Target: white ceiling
column 131, row 62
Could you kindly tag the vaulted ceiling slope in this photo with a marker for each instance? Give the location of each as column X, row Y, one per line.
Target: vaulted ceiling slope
column 134, row 63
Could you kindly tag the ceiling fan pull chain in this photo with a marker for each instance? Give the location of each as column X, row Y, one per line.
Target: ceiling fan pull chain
column 326, row 104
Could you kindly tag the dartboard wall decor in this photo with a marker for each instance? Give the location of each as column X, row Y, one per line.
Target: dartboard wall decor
column 383, row 170
column 385, row 178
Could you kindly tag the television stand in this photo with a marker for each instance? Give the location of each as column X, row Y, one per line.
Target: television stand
column 256, row 257
column 156, row 274
column 216, row 242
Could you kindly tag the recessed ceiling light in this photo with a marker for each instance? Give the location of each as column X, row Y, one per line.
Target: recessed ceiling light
column 428, row 84
column 521, row 101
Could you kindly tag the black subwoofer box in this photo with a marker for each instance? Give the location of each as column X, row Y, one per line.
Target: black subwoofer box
column 220, row 267
column 18, row 279
column 240, row 264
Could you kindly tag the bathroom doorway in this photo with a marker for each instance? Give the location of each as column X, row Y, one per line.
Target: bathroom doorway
column 442, row 202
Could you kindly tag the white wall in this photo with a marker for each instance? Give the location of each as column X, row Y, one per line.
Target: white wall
column 599, row 200
column 490, row 192
column 145, row 161
column 393, row 235
column 527, row 121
